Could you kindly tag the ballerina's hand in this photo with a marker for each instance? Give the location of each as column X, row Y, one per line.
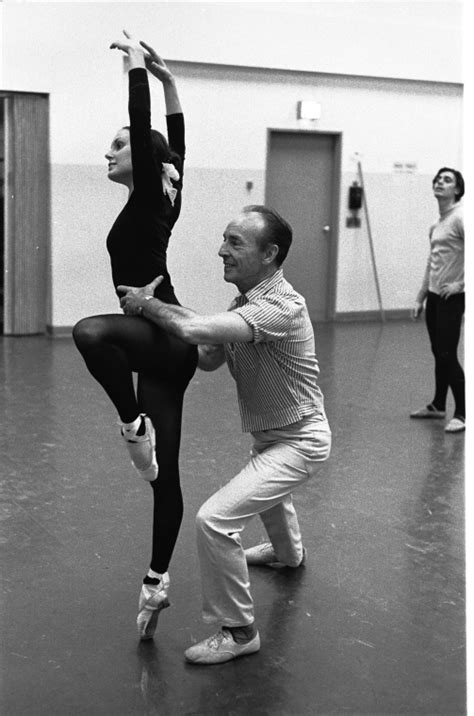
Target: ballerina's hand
column 156, row 64
column 128, row 45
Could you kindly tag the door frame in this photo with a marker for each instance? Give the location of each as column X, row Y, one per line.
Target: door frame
column 27, row 176
column 335, row 205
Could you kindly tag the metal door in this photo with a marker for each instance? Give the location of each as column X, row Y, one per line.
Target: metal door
column 302, row 184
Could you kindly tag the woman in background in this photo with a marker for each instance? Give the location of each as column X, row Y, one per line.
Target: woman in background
column 115, row 346
column 443, row 290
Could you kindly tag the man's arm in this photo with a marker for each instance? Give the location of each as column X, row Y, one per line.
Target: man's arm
column 228, row 327
column 219, row 328
column 422, row 293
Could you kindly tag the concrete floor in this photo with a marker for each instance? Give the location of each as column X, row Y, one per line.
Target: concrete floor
column 375, row 622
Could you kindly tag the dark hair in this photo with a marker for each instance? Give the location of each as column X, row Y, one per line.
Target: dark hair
column 277, row 230
column 162, row 151
column 459, row 180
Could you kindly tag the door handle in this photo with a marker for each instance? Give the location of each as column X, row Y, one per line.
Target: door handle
column 326, row 229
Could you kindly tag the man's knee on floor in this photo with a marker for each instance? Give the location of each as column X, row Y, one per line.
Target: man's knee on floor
column 295, row 561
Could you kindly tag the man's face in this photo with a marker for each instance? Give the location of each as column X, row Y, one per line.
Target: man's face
column 245, row 263
column 445, row 186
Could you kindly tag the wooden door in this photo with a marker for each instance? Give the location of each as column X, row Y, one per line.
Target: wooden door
column 27, row 213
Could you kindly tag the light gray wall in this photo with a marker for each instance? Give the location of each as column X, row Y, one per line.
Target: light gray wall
column 228, row 110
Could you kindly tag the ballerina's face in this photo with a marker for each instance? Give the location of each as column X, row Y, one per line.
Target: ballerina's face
column 119, row 158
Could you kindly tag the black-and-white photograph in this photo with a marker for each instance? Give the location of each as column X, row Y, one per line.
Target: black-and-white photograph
column 232, row 358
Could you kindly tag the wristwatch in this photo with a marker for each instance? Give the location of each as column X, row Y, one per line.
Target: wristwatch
column 146, row 298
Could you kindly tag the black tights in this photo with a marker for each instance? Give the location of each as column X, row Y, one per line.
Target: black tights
column 113, row 347
column 443, row 320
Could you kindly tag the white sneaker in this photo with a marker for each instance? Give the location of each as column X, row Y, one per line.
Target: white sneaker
column 455, row 425
column 153, row 598
column 219, row 648
column 141, row 449
column 264, row 554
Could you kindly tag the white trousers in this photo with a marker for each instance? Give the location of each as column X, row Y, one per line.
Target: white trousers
column 280, row 460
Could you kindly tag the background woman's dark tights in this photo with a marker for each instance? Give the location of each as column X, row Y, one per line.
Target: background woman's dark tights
column 113, row 347
column 444, row 320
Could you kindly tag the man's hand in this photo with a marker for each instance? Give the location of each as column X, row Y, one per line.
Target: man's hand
column 417, row 310
column 449, row 289
column 132, row 302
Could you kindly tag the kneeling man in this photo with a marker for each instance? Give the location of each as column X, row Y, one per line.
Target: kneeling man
column 267, row 339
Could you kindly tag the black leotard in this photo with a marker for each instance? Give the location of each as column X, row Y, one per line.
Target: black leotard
column 138, row 240
column 114, row 345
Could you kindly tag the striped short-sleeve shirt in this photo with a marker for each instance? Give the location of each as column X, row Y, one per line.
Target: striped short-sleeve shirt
column 276, row 373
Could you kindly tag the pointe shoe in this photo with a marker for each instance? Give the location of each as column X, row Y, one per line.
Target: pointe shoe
column 153, row 598
column 141, row 449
